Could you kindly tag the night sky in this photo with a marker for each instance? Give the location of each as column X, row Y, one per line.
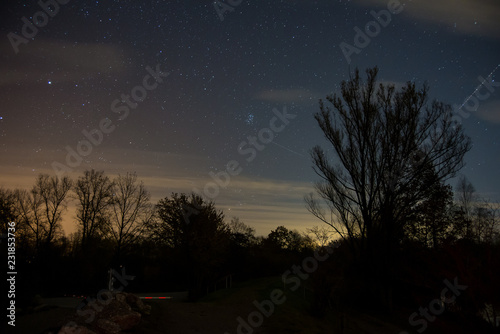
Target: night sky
column 219, row 84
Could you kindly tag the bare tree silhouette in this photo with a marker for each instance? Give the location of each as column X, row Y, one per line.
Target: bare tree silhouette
column 385, row 142
column 94, row 192
column 40, row 210
column 131, row 211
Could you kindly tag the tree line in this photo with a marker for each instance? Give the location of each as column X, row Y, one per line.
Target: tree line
column 180, row 242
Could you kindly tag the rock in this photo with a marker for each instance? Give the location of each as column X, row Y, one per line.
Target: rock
column 115, row 306
column 133, row 300
column 121, row 313
column 78, row 329
column 121, row 297
column 127, row 321
column 137, row 304
column 107, row 326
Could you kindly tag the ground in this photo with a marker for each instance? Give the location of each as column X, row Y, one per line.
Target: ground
column 218, row 313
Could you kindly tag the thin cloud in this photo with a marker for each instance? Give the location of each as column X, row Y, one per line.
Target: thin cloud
column 465, row 16
column 75, row 60
column 490, row 111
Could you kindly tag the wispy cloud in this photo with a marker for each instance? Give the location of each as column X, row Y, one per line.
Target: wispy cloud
column 465, row 16
column 267, row 218
column 265, row 204
column 490, row 111
column 76, row 60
